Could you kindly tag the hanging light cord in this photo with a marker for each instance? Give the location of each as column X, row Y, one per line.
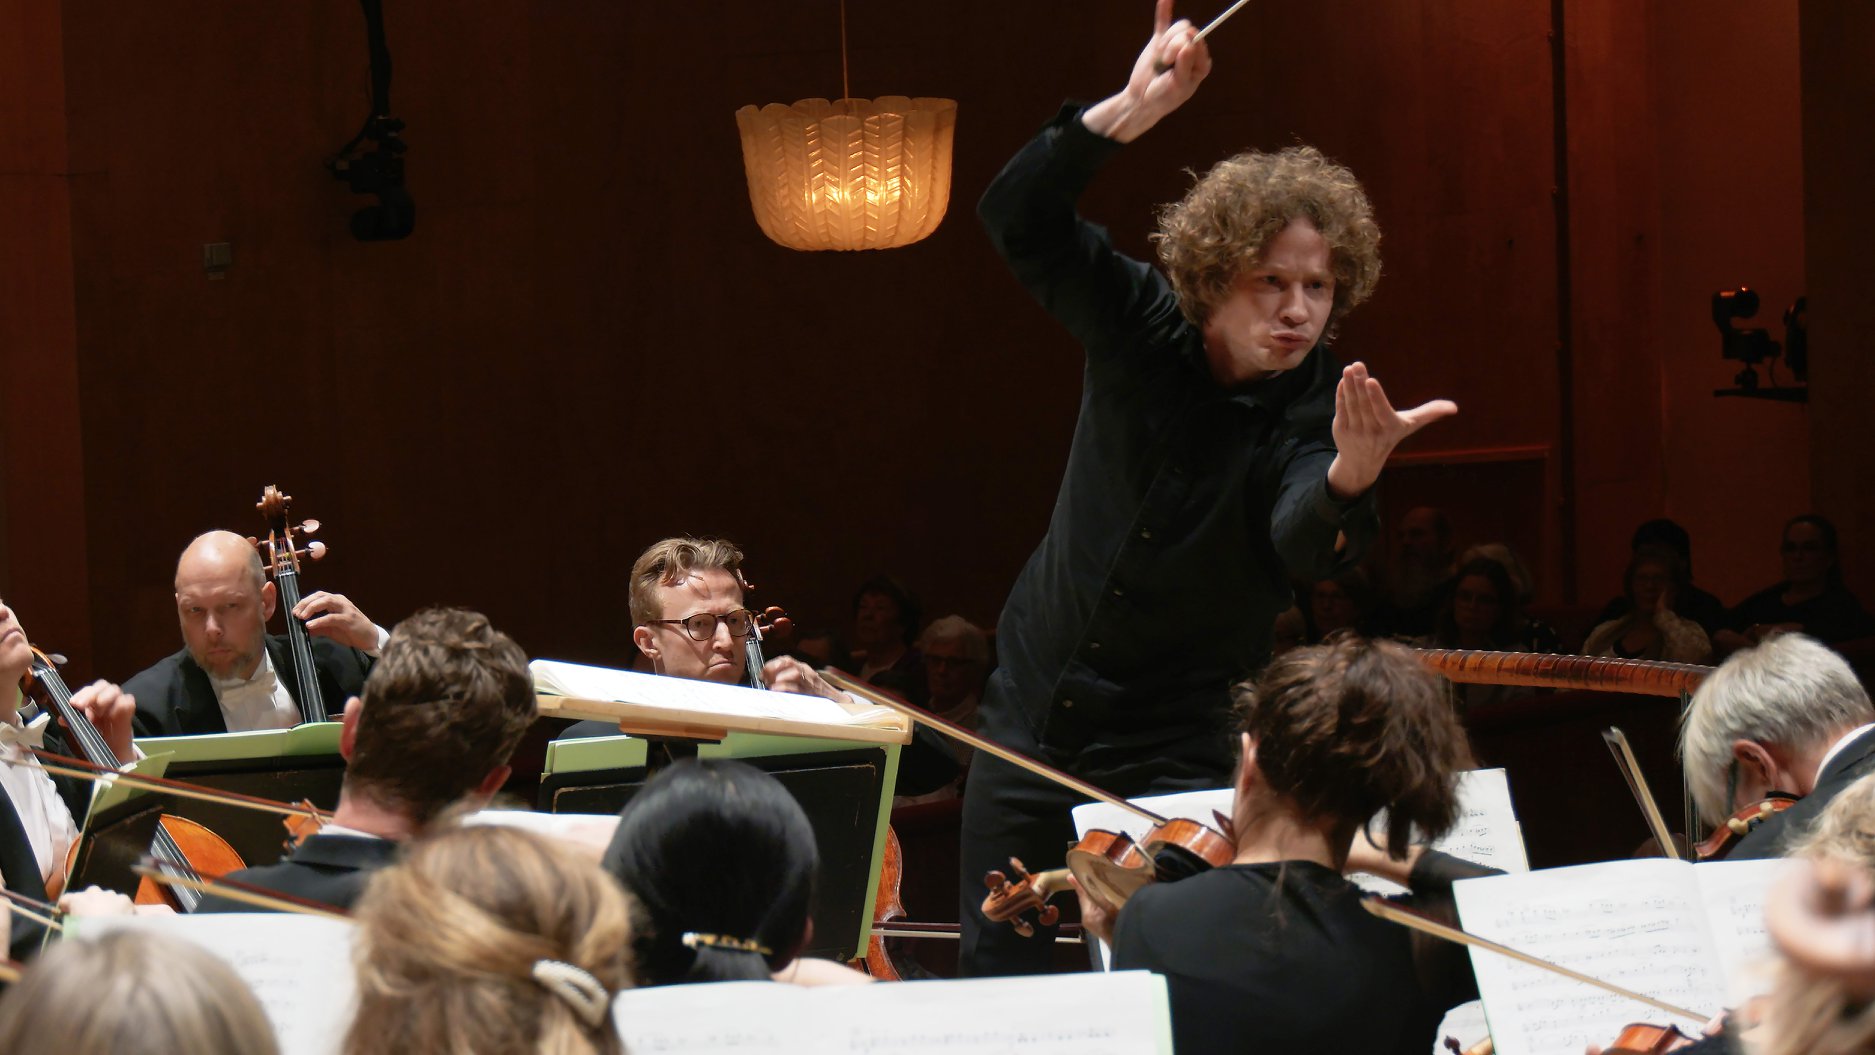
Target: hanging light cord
column 846, row 86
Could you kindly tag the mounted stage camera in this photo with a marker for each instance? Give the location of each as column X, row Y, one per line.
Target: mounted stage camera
column 1752, row 346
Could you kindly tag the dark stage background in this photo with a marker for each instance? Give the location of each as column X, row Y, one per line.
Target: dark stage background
column 588, row 344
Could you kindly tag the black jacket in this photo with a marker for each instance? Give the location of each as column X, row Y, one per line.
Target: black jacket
column 175, row 698
column 1774, row 835
column 329, row 869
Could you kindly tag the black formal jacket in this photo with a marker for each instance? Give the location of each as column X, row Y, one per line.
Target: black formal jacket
column 1774, row 835
column 19, row 872
column 1184, row 509
column 175, row 698
column 329, row 869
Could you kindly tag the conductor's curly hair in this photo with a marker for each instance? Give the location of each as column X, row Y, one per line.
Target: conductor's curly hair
column 1218, row 231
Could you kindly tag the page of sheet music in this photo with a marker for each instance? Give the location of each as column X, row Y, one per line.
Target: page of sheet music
column 1639, row 924
column 299, row 967
column 1122, row 1013
column 1487, row 832
column 686, row 694
column 1733, row 895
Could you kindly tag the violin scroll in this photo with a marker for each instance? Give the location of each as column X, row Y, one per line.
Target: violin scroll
column 1022, row 902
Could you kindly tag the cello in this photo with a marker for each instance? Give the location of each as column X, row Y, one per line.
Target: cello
column 180, row 846
column 281, row 552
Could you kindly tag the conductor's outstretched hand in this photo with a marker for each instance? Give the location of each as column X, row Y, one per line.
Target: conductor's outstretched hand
column 1367, row 428
column 1166, row 74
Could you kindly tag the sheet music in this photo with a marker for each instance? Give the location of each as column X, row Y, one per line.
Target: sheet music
column 1639, row 924
column 685, row 694
column 1464, row 1024
column 1487, row 832
column 299, row 967
column 1041, row 1015
column 1733, row 895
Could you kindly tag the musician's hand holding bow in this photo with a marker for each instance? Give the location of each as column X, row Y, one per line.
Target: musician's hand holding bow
column 1367, row 428
column 1166, row 74
column 334, row 616
column 110, row 709
column 787, row 674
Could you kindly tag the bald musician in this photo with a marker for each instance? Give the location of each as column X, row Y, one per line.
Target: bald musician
column 38, row 816
column 231, row 675
column 1220, row 450
column 689, row 620
column 440, row 714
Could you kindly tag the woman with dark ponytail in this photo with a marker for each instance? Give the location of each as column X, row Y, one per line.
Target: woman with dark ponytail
column 1273, row 951
column 723, row 863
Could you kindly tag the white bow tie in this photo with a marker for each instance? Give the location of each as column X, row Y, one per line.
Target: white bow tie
column 25, row 736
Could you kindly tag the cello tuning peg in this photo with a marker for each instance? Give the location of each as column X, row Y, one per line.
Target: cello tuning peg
column 316, row 550
column 309, row 527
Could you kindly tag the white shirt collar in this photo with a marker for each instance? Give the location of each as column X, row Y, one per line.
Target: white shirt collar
column 1836, row 748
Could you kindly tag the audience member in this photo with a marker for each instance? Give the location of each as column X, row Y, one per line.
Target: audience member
column 131, row 992
column 1421, row 573
column 1652, row 629
column 1786, row 715
column 1690, row 601
column 231, row 675
column 1811, row 598
column 1289, row 631
column 441, row 713
column 1483, row 611
column 490, row 940
column 956, row 660
column 885, row 623
column 724, row 862
column 1536, row 635
column 821, row 648
column 1345, row 602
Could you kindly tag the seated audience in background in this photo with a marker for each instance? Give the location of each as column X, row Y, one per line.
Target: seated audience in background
column 1787, row 715
column 723, row 863
column 490, row 940
column 1652, row 629
column 820, row 649
column 1273, row 952
column 1811, row 598
column 232, row 675
column 689, row 619
column 1345, row 602
column 1690, row 602
column 133, row 993
column 1421, row 572
column 956, row 662
column 1289, row 631
column 1483, row 611
column 885, row 623
column 39, row 816
column 441, row 712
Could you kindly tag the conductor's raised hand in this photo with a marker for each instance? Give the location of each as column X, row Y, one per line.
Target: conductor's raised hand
column 1166, row 74
column 1367, row 428
column 333, row 615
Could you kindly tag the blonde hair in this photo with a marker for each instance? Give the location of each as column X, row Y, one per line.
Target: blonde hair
column 1220, row 228
column 669, row 562
column 449, row 941
column 133, row 992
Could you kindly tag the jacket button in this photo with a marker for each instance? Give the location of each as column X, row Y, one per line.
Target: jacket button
column 1117, row 592
column 1093, row 646
column 1067, row 703
column 1145, row 533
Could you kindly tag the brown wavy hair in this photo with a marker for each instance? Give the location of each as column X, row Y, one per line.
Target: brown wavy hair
column 670, row 561
column 1348, row 728
column 1218, row 231
column 449, row 937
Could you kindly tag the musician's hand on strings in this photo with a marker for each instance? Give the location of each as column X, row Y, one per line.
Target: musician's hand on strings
column 787, row 674
column 1097, row 914
column 1367, row 428
column 333, row 615
column 110, row 710
column 1166, row 74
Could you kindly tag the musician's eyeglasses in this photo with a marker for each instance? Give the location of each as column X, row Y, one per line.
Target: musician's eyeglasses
column 702, row 626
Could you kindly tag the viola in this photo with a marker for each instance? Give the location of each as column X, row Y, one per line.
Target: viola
column 180, row 845
column 886, row 908
column 1111, row 866
column 281, row 552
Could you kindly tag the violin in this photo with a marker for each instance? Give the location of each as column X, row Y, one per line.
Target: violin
column 281, row 552
column 180, row 845
column 1111, row 866
column 1639, row 1038
column 1726, row 836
